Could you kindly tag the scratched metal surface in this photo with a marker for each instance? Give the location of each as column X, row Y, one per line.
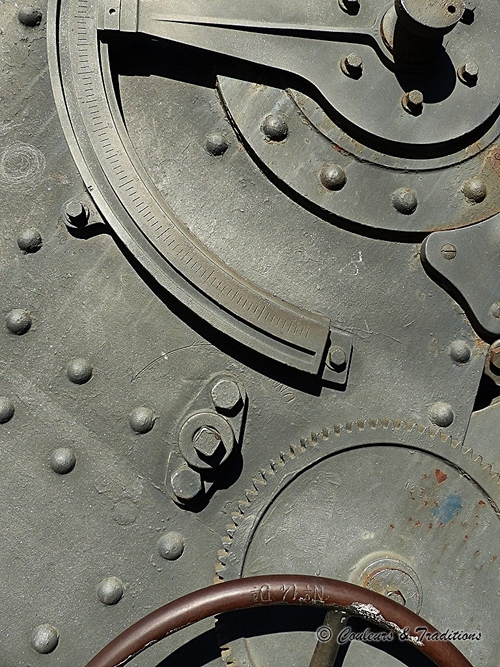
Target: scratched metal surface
column 89, row 298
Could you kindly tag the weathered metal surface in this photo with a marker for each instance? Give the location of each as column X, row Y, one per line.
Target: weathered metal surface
column 468, row 259
column 280, row 314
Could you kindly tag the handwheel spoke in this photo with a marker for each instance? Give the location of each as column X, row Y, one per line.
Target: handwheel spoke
column 327, row 649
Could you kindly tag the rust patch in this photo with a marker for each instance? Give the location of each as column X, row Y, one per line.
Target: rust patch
column 494, row 159
column 391, row 526
column 481, row 502
column 431, row 525
column 440, row 476
column 418, row 524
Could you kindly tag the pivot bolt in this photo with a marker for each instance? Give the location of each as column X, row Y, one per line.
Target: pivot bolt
column 468, row 73
column 349, row 6
column 413, row 102
column 352, row 66
column 337, row 358
column 75, row 214
column 186, row 484
column 448, row 251
column 207, row 441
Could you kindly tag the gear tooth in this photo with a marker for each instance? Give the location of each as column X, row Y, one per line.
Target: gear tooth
column 250, row 494
column 226, row 541
column 349, row 427
column 283, row 458
column 361, row 423
column 325, row 433
column 314, row 439
column 397, row 424
column 237, row 518
column 264, row 474
column 385, row 423
column 293, row 451
column 242, row 506
column 230, row 531
column 373, row 423
column 337, row 429
column 421, row 429
column 221, row 561
column 304, row 444
column 433, row 431
column 273, row 465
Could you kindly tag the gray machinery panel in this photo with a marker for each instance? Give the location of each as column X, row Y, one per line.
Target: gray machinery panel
column 251, row 303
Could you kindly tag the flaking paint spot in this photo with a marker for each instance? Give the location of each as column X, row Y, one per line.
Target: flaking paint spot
column 448, row 508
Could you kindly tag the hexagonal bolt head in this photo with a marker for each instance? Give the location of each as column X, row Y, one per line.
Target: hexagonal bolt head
column 75, row 214
column 468, row 73
column 413, row 102
column 352, row 66
column 337, row 358
column 207, row 441
column 186, row 484
column 226, row 395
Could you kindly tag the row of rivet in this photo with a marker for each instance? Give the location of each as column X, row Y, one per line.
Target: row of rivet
column 45, row 637
column 333, row 177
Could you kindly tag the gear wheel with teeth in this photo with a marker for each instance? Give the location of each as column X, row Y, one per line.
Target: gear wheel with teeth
column 383, row 504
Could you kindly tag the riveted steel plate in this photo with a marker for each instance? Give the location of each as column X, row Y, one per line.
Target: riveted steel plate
column 111, row 338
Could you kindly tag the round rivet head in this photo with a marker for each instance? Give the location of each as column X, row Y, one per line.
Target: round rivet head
column 352, row 65
column 18, row 321
column 332, row 177
column 495, row 310
column 459, row 351
column 30, row 16
column 404, row 200
column 110, row 590
column 216, row 144
column 30, row 240
column 474, row 189
column 448, row 251
column 62, row 460
column 413, row 102
column 441, row 414
column 6, row 409
column 186, row 484
column 75, row 214
column 226, row 395
column 468, row 73
column 171, row 546
column 275, row 127
column 44, row 638
column 79, row 370
column 141, row 419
